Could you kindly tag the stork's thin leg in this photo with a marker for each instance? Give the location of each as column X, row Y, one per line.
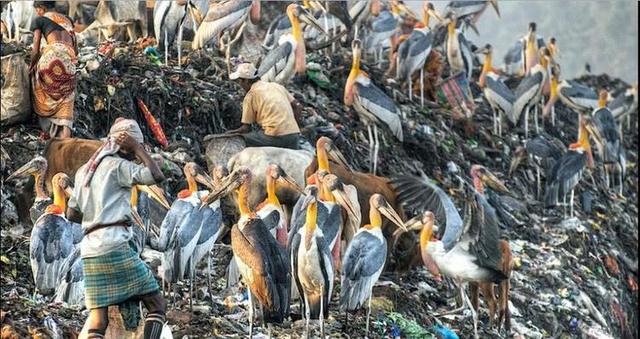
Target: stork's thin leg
column 369, row 311
column 180, row 32
column 535, row 119
column 526, row 123
column 191, row 289
column 553, row 115
column 269, row 330
column 307, row 315
column 370, row 147
column 166, row 48
column 250, row 313
column 175, row 291
column 474, row 314
column 421, row 87
column 410, row 88
column 564, row 206
column 500, row 123
column 321, row 312
column 571, row 202
column 209, row 276
column 495, row 121
column 376, row 148
column 538, row 186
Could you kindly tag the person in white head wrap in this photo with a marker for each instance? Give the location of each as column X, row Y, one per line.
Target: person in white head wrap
column 113, row 272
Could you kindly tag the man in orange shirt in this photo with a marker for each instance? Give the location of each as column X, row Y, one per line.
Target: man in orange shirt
column 269, row 105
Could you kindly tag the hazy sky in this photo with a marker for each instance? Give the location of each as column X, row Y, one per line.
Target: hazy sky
column 602, row 33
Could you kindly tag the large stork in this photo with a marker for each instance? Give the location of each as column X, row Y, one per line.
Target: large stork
column 529, row 93
column 567, row 171
column 472, row 9
column 371, row 104
column 37, row 168
column 499, row 96
column 168, row 23
column 263, row 263
column 459, row 54
column 413, row 52
column 365, row 258
column 544, row 151
column 606, row 132
column 311, row 264
column 53, row 238
column 288, row 58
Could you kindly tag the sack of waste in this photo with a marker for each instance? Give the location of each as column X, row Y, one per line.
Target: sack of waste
column 15, row 103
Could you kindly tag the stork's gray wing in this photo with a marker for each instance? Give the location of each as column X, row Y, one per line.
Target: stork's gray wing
column 385, row 22
column 330, row 223
column 579, row 91
column 482, row 232
column 276, row 59
column 608, row 129
column 514, row 54
column 167, row 15
column 420, row 194
column 270, row 265
column 524, row 94
column 467, row 54
column 501, row 89
column 278, row 26
column 271, row 220
column 71, row 286
column 380, row 105
column 564, row 176
column 178, row 211
column 220, row 16
column 365, row 256
column 543, row 147
column 211, row 222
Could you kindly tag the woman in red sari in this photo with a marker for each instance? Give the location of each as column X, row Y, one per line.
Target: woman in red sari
column 53, row 69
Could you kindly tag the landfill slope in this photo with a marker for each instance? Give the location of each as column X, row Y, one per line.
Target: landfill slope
column 575, row 278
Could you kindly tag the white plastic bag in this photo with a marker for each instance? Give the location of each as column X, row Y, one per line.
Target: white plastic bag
column 16, row 100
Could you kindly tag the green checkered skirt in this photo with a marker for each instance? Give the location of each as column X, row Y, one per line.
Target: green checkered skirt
column 116, row 277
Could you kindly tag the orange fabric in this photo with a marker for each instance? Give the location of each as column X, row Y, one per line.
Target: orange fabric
column 54, row 82
column 184, row 194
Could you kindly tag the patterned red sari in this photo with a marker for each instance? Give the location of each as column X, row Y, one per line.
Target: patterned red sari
column 54, row 81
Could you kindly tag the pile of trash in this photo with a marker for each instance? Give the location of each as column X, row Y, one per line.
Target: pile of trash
column 572, row 278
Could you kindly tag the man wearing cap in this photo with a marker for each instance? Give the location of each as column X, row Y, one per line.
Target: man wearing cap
column 113, row 272
column 269, row 105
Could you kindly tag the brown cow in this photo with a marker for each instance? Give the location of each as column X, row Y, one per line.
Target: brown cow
column 67, row 155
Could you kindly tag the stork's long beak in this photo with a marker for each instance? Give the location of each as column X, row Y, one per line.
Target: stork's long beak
column 203, row 178
column 136, row 217
column 482, row 50
column 291, row 182
column 337, row 156
column 308, row 18
column 195, row 13
column 435, row 14
column 492, row 181
column 392, row 215
column 308, row 199
column 517, row 159
column 25, row 170
column 228, row 185
column 156, row 193
column 494, row 4
column 343, row 200
column 473, row 27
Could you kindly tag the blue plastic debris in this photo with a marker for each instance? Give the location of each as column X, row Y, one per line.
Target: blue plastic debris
column 443, row 332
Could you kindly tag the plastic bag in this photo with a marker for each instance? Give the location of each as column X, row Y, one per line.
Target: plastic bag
column 16, row 100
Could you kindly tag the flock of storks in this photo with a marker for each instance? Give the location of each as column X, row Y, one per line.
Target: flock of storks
column 335, row 230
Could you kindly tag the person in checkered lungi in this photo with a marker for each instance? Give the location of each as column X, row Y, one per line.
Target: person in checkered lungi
column 114, row 274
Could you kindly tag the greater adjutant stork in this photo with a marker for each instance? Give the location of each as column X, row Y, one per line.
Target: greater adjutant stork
column 288, row 58
column 472, row 9
column 311, row 263
column 606, row 132
column 474, row 256
column 578, row 97
column 544, row 150
column 168, row 23
column 37, row 168
column 263, row 262
column 181, row 228
column 459, row 54
column 413, row 52
column 499, row 96
column 53, row 238
column 371, row 104
column 529, row 93
column 365, row 258
column 567, row 171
